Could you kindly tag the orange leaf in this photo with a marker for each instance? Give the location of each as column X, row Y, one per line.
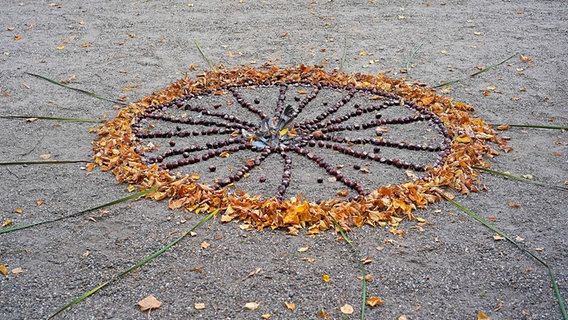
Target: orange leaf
column 326, row 277
column 374, row 301
column 481, row 315
column 342, row 193
column 290, row 305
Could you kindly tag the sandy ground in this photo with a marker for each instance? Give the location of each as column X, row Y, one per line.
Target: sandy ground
column 451, row 270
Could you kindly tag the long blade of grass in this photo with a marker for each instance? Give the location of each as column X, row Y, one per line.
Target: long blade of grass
column 134, row 267
column 412, row 57
column 53, row 118
column 361, row 266
column 76, row 214
column 477, row 72
column 94, row 95
column 508, row 175
column 538, row 126
column 15, row 163
column 504, row 235
column 203, row 55
column 344, row 55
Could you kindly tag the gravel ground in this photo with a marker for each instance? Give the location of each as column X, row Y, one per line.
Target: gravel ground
column 452, row 269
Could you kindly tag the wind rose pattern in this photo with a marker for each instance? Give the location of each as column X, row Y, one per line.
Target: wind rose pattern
column 295, row 147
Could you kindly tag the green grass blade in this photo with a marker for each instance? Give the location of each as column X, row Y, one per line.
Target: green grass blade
column 94, row 95
column 538, row 126
column 412, row 57
column 508, row 175
column 361, row 266
column 344, row 55
column 477, row 73
column 53, row 118
column 130, row 197
column 134, row 267
column 504, row 235
column 203, row 55
column 16, row 163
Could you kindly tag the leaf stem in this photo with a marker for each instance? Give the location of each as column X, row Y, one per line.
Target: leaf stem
column 477, row 72
column 203, row 55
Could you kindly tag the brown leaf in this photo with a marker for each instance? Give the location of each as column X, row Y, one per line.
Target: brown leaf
column 481, row 315
column 149, row 303
column 503, row 127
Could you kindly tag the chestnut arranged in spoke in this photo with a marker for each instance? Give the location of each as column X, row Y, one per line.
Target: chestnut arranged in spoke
column 190, row 131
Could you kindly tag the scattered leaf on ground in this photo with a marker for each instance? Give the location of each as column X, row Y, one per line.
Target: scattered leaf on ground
column 45, row 156
column 482, row 316
column 3, row 270
column 16, row 270
column 266, row 316
column 199, row 306
column 323, row 315
column 402, row 317
column 513, row 205
column 374, row 302
column 498, row 237
column 6, row 223
column 19, row 210
column 366, row 260
column 525, row 59
column 326, row 278
column 303, row 249
column 149, row 303
column 347, row 309
column 290, row 305
column 205, row 245
column 251, row 305
column 308, row 259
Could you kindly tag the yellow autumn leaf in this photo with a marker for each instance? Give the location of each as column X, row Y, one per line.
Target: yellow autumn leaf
column 195, row 176
column 482, row 316
column 3, row 270
column 326, row 277
column 6, row 223
column 465, row 139
column 290, row 305
column 303, row 249
column 199, row 306
column 251, row 305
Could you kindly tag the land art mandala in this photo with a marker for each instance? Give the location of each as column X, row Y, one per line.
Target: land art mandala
column 297, row 147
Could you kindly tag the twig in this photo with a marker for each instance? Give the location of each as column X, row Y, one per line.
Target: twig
column 203, row 55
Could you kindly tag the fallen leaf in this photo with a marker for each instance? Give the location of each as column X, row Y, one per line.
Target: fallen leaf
column 308, row 259
column 503, row 127
column 3, row 270
column 525, row 59
column 303, row 249
column 16, row 270
column 323, row 315
column 45, row 156
column 266, row 316
column 19, row 210
column 513, row 205
column 31, row 119
column 366, row 260
column 482, row 316
column 199, row 306
column 290, row 305
column 465, row 139
column 402, row 317
column 149, row 303
column 519, row 239
column 374, row 302
column 205, row 245
column 39, row 202
column 498, row 237
column 347, row 309
column 443, row 51
column 342, row 193
column 6, row 223
column 251, row 305
column 326, row 277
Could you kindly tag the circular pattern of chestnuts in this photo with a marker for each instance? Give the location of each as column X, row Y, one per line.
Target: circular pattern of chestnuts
column 293, row 133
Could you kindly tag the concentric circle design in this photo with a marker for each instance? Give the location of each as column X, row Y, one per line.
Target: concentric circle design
column 292, row 147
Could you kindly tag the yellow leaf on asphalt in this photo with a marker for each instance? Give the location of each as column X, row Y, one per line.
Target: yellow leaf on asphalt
column 303, row 249
column 290, row 305
column 6, row 223
column 482, row 316
column 199, row 306
column 3, row 270
column 326, row 278
column 251, row 305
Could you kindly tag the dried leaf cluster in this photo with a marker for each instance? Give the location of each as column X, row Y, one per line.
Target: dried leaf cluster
column 115, row 152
